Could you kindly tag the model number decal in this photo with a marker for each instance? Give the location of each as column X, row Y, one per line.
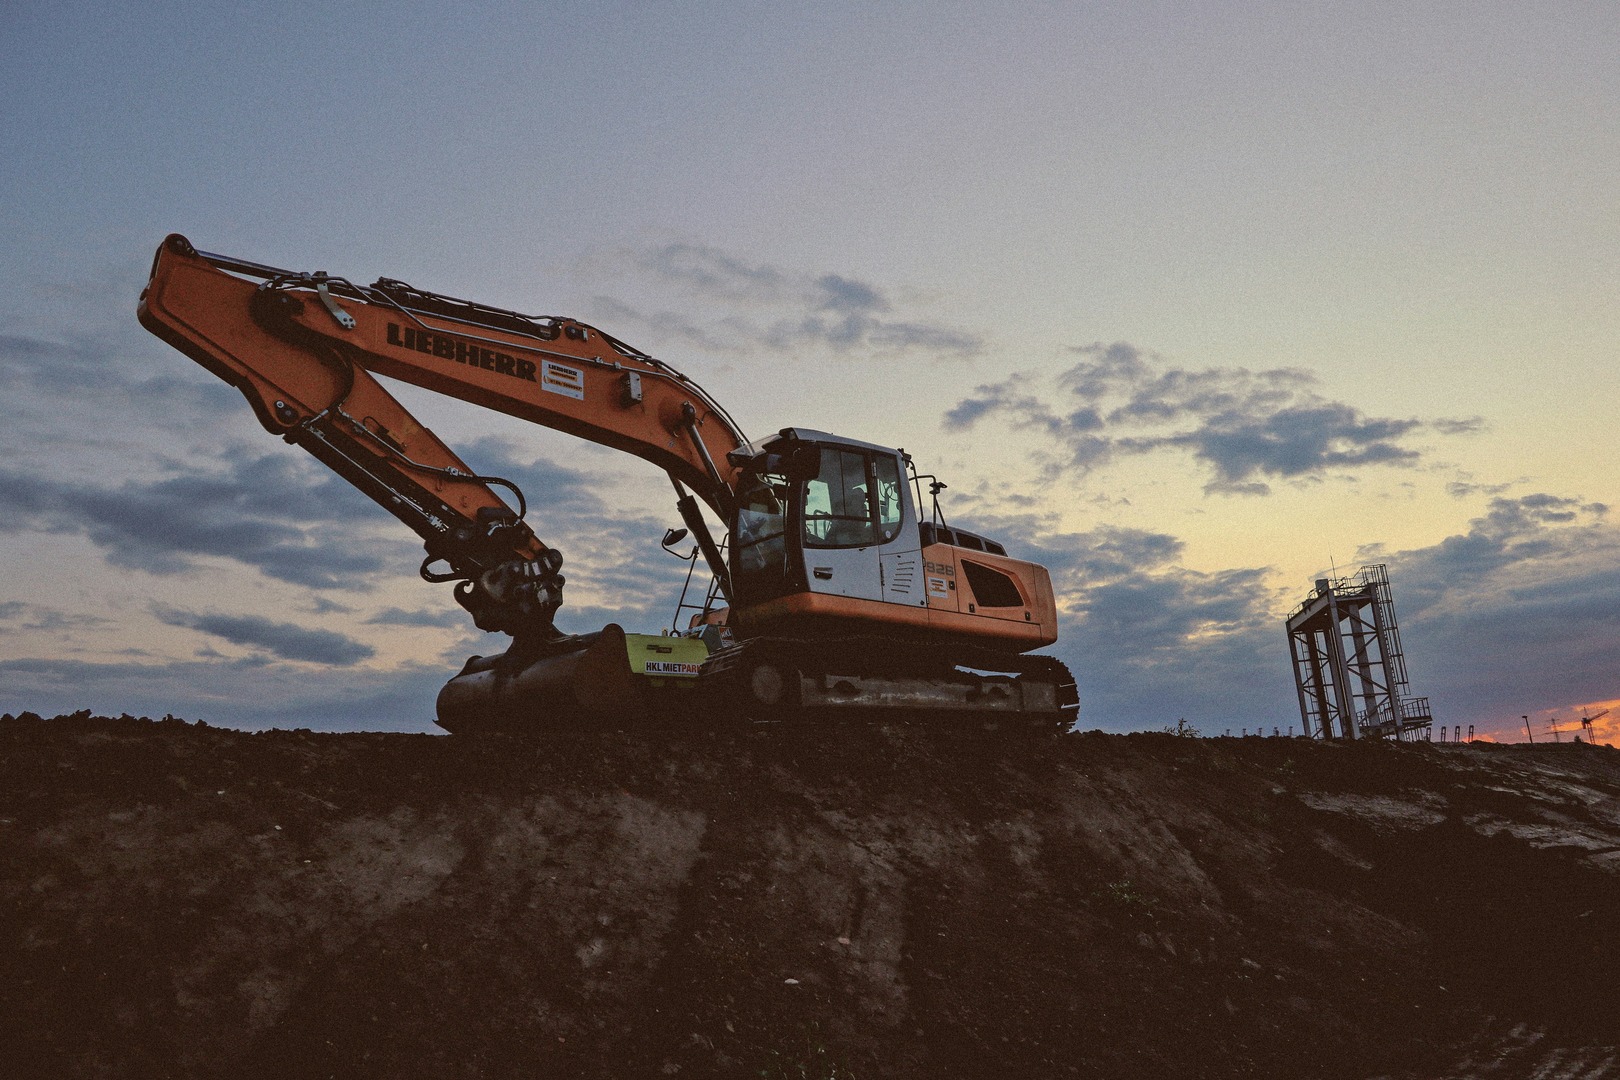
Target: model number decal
column 562, row 379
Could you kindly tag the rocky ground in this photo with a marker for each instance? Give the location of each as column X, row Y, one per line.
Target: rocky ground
column 900, row 901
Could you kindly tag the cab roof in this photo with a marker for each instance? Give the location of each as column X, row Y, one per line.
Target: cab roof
column 810, row 435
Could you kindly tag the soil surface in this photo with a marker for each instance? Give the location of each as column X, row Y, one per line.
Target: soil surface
column 794, row 901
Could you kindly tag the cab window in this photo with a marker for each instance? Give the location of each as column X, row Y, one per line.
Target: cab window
column 854, row 501
column 887, row 472
column 759, row 555
column 837, row 506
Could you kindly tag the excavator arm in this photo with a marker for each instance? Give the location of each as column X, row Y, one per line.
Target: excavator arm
column 304, row 349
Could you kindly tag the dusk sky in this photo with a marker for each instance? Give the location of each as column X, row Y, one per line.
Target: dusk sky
column 1193, row 303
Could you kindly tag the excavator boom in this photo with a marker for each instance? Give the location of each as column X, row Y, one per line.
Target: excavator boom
column 552, row 371
column 303, row 349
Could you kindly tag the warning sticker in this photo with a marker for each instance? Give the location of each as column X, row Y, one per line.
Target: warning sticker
column 938, row 587
column 669, row 667
column 562, row 379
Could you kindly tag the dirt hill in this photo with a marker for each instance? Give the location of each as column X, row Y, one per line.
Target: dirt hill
column 177, row 900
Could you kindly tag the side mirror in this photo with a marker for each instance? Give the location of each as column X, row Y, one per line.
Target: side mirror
column 673, row 537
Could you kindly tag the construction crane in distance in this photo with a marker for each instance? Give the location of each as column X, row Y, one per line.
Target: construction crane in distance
column 1586, row 722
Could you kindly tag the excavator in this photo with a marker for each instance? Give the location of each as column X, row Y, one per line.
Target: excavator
column 831, row 595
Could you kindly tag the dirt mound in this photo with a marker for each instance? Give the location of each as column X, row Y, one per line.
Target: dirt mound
column 789, row 901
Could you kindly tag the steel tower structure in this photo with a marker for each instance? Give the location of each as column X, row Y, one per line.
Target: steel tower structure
column 1348, row 664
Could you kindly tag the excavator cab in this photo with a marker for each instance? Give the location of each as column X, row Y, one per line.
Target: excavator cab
column 816, row 515
column 827, row 542
column 845, row 601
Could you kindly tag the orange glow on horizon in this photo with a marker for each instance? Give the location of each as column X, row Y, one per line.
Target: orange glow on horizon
column 1605, row 729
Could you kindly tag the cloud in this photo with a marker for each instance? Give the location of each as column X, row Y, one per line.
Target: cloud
column 715, row 273
column 1539, row 537
column 249, row 693
column 1467, row 488
column 552, row 491
column 19, row 353
column 443, row 617
column 1245, row 426
column 1522, row 607
column 286, row 640
column 769, row 307
column 287, row 518
column 1519, row 612
column 612, row 559
column 38, row 372
column 1150, row 640
column 1147, row 629
column 274, row 512
column 25, row 616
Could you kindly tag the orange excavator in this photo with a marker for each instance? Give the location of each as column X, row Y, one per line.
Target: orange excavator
column 831, row 594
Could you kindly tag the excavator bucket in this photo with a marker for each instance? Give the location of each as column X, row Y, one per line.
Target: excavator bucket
column 603, row 676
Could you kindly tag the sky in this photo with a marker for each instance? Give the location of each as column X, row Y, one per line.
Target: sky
column 1193, row 303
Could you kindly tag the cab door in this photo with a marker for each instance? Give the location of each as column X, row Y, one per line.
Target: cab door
column 840, row 525
column 900, row 562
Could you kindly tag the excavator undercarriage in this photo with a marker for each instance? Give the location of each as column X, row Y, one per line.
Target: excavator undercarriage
column 831, row 595
column 876, row 678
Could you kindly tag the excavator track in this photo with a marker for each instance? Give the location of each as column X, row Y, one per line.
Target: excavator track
column 873, row 677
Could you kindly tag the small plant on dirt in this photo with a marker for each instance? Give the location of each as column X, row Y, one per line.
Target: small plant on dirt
column 1257, row 816
column 812, row 1060
column 1181, row 728
column 1122, row 899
